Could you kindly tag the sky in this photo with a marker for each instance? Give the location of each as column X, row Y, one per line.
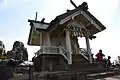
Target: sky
column 14, row 26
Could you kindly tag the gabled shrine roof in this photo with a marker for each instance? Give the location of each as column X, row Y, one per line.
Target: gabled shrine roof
column 58, row 21
column 70, row 12
column 38, row 24
column 62, row 16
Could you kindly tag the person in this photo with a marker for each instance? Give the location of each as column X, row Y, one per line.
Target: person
column 100, row 56
column 108, row 63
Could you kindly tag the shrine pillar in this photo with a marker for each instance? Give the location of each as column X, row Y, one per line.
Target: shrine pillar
column 88, row 49
column 48, row 39
column 68, row 46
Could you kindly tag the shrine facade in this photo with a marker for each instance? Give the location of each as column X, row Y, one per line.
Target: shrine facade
column 60, row 36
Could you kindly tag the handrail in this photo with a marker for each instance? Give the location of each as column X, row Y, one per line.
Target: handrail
column 60, row 50
column 83, row 52
column 63, row 48
column 53, row 50
column 65, row 53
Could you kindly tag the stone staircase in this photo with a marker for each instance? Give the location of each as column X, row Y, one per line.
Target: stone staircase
column 55, row 62
column 80, row 69
column 80, row 63
column 78, row 58
column 100, row 75
column 93, row 70
column 86, row 67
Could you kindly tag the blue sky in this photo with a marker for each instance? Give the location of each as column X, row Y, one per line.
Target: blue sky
column 14, row 15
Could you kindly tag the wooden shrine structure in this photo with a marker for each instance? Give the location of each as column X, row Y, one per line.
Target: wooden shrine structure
column 58, row 39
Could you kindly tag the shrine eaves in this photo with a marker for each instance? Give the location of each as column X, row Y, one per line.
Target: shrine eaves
column 79, row 21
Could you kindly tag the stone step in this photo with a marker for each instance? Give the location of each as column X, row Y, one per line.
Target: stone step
column 87, row 70
column 92, row 71
column 59, row 68
column 78, row 57
column 95, row 70
column 79, row 61
column 85, row 66
column 101, row 75
column 66, row 75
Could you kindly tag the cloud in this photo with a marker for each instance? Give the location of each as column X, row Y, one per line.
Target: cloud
column 27, row 0
column 6, row 2
column 3, row 2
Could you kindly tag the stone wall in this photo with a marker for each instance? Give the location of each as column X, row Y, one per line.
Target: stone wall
column 66, row 76
column 50, row 62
